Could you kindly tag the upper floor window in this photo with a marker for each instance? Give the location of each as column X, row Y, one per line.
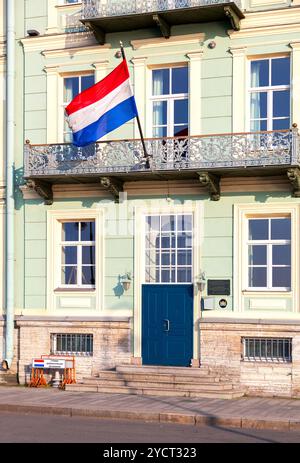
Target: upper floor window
column 270, row 94
column 73, row 85
column 269, row 253
column 78, row 254
column 170, row 102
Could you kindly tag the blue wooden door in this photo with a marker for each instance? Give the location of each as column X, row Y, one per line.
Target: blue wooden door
column 167, row 324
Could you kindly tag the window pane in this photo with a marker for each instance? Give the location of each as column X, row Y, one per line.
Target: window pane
column 281, row 229
column 69, row 255
column 87, row 82
column 258, row 126
column 151, row 274
column 184, row 275
column 161, row 82
column 152, row 258
column 281, row 277
column 180, row 111
column 258, row 105
column 184, row 222
column 281, row 71
column 88, row 275
column 257, row 255
column 181, row 131
column 180, row 80
column 88, row 255
column 168, row 258
column 281, row 104
column 152, row 240
column 70, row 231
column 281, row 124
column 165, row 275
column 258, row 229
column 69, row 275
column 87, row 231
column 184, row 257
column 257, row 277
column 159, row 113
column 71, row 88
column 160, row 132
column 281, row 255
column 184, row 240
column 168, row 223
column 260, row 73
column 152, row 223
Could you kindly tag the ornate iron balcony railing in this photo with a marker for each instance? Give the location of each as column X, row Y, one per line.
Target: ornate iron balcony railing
column 102, row 8
column 225, row 151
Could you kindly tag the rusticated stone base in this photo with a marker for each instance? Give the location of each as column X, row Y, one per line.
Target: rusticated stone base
column 111, row 342
column 221, row 347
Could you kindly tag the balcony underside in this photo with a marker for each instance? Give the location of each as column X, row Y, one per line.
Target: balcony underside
column 164, row 20
column 205, row 158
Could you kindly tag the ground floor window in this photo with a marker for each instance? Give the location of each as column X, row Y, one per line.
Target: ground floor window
column 267, row 349
column 72, row 344
column 269, row 252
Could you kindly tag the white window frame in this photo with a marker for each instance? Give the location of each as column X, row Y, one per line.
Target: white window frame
column 54, row 286
column 160, row 249
column 79, row 245
column 269, row 245
column 64, row 104
column 268, row 89
column 170, row 99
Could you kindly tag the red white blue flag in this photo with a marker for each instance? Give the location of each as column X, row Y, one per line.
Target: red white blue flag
column 102, row 108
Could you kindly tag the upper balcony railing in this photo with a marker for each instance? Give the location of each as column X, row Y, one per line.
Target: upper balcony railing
column 100, row 8
column 190, row 154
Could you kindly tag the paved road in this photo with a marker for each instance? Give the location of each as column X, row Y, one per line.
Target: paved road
column 34, row 428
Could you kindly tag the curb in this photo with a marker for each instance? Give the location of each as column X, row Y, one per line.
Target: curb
column 176, row 418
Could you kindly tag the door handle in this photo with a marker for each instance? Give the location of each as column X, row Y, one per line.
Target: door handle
column 168, row 325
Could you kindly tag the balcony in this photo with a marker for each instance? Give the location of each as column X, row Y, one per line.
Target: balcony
column 118, row 16
column 206, row 158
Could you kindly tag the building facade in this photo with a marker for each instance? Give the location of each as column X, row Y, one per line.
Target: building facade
column 185, row 253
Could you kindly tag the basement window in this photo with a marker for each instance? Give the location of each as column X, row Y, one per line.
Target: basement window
column 72, row 344
column 267, row 350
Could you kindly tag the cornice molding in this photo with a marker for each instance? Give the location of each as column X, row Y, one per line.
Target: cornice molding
column 265, row 31
column 171, row 41
column 76, row 51
column 58, row 41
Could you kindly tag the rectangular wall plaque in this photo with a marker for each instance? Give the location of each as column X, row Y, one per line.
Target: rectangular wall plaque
column 218, row 287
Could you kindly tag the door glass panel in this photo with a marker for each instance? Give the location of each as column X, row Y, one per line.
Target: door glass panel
column 168, row 248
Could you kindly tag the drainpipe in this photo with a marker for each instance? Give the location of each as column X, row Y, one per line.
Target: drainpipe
column 10, row 203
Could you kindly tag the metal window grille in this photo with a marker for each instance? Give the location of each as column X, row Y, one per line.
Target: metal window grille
column 267, row 349
column 72, row 344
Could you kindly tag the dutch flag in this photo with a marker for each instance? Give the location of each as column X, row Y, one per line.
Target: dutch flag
column 102, row 108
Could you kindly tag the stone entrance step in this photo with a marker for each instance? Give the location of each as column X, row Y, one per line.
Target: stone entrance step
column 160, row 381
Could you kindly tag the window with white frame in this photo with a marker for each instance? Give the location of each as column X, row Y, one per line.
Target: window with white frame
column 168, row 248
column 72, row 344
column 73, row 85
column 269, row 253
column 77, row 245
column 170, row 102
column 270, row 93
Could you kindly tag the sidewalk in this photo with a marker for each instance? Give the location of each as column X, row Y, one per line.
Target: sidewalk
column 245, row 412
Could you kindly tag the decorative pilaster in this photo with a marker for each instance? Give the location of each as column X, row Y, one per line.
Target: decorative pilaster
column 239, row 70
column 195, row 74
column 139, row 80
column 53, row 118
column 101, row 69
column 295, row 82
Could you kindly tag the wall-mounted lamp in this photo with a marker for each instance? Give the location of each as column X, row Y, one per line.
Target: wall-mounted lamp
column 212, row 44
column 118, row 54
column 33, row 32
column 126, row 280
column 201, row 281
